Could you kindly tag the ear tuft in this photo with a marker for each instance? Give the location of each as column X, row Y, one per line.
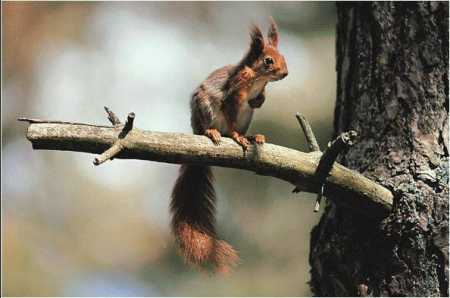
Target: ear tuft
column 272, row 35
column 257, row 39
column 256, row 46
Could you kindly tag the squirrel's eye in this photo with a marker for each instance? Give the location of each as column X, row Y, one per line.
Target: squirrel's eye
column 268, row 60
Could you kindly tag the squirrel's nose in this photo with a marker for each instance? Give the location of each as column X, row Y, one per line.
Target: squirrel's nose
column 284, row 74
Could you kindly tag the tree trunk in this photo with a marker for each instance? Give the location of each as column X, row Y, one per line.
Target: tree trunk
column 392, row 88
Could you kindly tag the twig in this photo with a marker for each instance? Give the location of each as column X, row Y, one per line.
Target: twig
column 112, row 117
column 343, row 142
column 118, row 145
column 34, row 120
column 319, row 198
column 311, row 140
column 309, row 134
column 128, row 125
column 109, row 154
column 296, row 167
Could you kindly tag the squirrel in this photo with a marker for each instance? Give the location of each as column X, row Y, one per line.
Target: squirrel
column 222, row 105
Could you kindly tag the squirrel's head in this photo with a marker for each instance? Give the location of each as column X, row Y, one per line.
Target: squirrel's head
column 263, row 56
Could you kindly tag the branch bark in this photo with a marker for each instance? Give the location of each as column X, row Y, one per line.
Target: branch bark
column 290, row 165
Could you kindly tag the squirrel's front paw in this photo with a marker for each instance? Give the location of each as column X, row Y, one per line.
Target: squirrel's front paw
column 257, row 102
column 214, row 135
column 241, row 140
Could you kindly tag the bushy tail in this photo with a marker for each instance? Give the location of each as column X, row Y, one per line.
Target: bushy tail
column 193, row 219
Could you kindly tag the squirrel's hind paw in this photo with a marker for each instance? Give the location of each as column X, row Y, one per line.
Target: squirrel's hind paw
column 258, row 139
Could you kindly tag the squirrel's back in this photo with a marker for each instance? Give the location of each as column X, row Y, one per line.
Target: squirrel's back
column 208, row 97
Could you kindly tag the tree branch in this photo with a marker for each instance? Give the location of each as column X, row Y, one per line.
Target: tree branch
column 328, row 158
column 299, row 168
column 309, row 134
column 118, row 144
column 112, row 117
column 109, row 154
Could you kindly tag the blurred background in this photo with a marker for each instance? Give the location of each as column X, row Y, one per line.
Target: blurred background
column 72, row 229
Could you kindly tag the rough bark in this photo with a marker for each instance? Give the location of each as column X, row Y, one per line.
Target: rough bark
column 392, row 88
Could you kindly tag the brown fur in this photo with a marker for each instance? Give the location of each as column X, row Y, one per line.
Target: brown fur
column 272, row 35
column 193, row 209
column 222, row 105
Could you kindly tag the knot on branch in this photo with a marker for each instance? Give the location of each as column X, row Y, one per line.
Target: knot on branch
column 118, row 145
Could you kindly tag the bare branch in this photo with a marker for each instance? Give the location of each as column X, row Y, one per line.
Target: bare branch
column 298, row 168
column 109, row 154
column 340, row 144
column 34, row 120
column 118, row 146
column 112, row 117
column 128, row 125
column 309, row 134
column 311, row 140
column 319, row 198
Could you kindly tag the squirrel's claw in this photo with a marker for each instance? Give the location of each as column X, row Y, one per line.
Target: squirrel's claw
column 241, row 140
column 214, row 135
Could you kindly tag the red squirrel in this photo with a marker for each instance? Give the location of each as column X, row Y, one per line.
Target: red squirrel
column 222, row 105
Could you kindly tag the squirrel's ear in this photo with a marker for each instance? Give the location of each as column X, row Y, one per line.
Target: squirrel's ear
column 257, row 40
column 273, row 33
column 256, row 46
